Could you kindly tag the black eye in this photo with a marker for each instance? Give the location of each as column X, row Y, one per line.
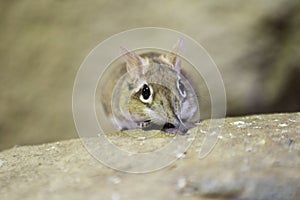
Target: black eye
column 146, row 92
column 181, row 88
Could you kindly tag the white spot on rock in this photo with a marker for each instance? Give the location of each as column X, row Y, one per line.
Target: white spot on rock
column 249, row 149
column 180, row 155
column 238, row 123
column 181, row 183
column 1, row 163
column 51, row 148
column 257, row 127
column 241, row 124
column 292, row 120
column 283, row 125
column 220, row 137
column 262, row 142
column 115, row 179
column 141, row 138
column 115, row 196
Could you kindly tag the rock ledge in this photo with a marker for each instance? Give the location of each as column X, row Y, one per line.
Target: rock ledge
column 256, row 157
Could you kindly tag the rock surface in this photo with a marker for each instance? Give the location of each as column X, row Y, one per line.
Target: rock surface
column 256, row 157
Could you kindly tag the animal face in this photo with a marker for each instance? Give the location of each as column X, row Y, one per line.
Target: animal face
column 153, row 94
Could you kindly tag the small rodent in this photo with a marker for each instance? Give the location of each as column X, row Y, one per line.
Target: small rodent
column 154, row 94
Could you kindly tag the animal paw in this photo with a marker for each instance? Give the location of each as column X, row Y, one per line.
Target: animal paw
column 144, row 124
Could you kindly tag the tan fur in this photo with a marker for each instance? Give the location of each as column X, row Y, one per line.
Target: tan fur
column 161, row 72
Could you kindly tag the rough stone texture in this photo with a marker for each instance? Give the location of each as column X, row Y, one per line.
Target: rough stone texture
column 256, row 157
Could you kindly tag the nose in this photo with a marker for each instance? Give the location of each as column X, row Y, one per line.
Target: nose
column 178, row 124
column 182, row 128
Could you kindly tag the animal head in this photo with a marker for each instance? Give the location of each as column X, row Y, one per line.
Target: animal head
column 154, row 93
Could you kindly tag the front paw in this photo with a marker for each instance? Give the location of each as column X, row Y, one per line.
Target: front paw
column 144, row 124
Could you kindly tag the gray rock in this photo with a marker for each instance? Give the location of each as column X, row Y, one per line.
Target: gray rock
column 256, row 157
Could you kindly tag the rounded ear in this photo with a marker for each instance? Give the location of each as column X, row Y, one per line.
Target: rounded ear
column 134, row 61
column 173, row 58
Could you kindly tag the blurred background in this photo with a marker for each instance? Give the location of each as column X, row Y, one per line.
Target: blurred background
column 255, row 44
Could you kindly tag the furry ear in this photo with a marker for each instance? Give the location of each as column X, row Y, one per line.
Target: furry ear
column 173, row 58
column 134, row 61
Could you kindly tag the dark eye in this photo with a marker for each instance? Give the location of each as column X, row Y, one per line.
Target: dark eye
column 146, row 94
column 181, row 88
